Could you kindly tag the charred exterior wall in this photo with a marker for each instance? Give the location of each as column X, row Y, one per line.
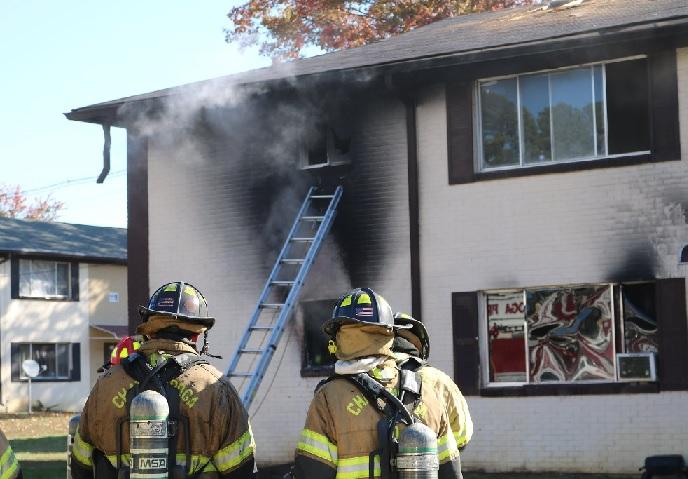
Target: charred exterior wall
column 223, row 191
column 588, row 226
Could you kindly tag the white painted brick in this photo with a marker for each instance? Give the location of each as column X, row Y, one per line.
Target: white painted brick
column 551, row 229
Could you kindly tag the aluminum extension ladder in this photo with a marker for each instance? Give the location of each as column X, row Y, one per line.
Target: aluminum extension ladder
column 280, row 293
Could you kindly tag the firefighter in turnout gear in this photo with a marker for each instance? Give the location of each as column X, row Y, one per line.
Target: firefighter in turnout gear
column 9, row 467
column 358, row 417
column 208, row 429
column 412, row 349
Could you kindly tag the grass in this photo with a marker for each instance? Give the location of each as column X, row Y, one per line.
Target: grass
column 43, row 457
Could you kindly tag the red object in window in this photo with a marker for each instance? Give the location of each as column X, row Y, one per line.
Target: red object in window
column 507, row 356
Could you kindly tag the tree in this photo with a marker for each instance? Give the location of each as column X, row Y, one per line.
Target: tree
column 15, row 204
column 284, row 28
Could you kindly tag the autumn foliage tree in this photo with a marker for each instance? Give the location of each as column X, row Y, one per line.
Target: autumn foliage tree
column 284, row 28
column 15, row 204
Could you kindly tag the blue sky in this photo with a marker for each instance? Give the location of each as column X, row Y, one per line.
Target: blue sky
column 61, row 55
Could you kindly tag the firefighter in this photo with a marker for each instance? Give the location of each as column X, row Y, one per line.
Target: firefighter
column 9, row 466
column 210, row 436
column 356, row 415
column 412, row 349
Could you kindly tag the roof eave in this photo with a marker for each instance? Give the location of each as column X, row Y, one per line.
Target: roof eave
column 108, row 113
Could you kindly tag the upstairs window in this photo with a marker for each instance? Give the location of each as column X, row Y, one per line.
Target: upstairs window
column 44, row 279
column 574, row 114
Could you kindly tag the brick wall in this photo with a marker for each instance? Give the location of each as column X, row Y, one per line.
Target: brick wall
column 209, row 225
column 587, row 226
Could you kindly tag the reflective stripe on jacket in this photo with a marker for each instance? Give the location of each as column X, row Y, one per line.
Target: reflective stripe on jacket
column 454, row 402
column 341, row 432
column 220, row 437
column 9, row 466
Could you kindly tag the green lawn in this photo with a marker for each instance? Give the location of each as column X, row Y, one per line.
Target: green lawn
column 42, row 458
column 46, row 458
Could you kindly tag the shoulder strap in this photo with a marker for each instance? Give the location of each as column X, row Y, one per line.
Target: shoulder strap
column 158, row 378
column 373, row 390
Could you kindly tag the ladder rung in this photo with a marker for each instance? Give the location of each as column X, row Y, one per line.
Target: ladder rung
column 252, row 351
column 261, row 328
column 312, row 218
column 271, row 305
column 303, row 240
column 282, row 283
column 240, row 375
column 293, row 260
column 322, row 197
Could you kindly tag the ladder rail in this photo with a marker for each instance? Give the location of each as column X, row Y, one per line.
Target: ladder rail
column 290, row 302
column 266, row 288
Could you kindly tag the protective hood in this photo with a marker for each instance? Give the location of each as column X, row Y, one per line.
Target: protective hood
column 360, row 340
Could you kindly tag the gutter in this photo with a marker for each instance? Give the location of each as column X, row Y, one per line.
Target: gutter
column 107, row 141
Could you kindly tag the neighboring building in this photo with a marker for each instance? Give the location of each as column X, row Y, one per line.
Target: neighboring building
column 62, row 303
column 515, row 179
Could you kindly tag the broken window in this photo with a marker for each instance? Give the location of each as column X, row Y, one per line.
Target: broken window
column 317, row 360
column 568, row 334
column 574, row 114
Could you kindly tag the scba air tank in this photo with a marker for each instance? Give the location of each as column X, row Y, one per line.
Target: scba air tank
column 148, row 436
column 417, row 456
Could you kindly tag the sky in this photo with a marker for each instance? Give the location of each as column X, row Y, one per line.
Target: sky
column 57, row 56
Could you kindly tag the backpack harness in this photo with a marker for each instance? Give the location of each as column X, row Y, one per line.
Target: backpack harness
column 393, row 409
column 157, row 378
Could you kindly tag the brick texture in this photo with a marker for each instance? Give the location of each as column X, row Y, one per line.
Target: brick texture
column 588, row 226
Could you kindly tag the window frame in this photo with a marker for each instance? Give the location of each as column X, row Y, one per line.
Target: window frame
column 617, row 320
column 479, row 166
column 21, row 377
column 73, row 280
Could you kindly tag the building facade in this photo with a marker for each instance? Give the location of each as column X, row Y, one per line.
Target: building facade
column 62, row 304
column 513, row 179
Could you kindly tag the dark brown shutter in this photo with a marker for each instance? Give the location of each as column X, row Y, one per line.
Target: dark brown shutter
column 14, row 277
column 672, row 360
column 15, row 361
column 75, row 373
column 666, row 142
column 466, row 347
column 75, row 280
column 460, row 132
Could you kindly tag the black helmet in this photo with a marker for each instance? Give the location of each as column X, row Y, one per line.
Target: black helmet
column 417, row 329
column 178, row 300
column 361, row 305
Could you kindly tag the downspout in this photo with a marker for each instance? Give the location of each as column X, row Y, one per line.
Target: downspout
column 106, row 153
column 409, row 100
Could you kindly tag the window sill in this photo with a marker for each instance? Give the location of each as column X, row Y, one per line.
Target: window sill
column 46, row 380
column 628, row 160
column 570, row 389
column 65, row 299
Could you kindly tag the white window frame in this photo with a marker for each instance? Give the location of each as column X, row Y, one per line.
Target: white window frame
column 483, row 336
column 55, row 263
column 70, row 362
column 479, row 162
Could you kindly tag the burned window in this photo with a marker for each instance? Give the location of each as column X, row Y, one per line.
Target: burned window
column 568, row 334
column 317, row 360
column 316, row 146
column 574, row 114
